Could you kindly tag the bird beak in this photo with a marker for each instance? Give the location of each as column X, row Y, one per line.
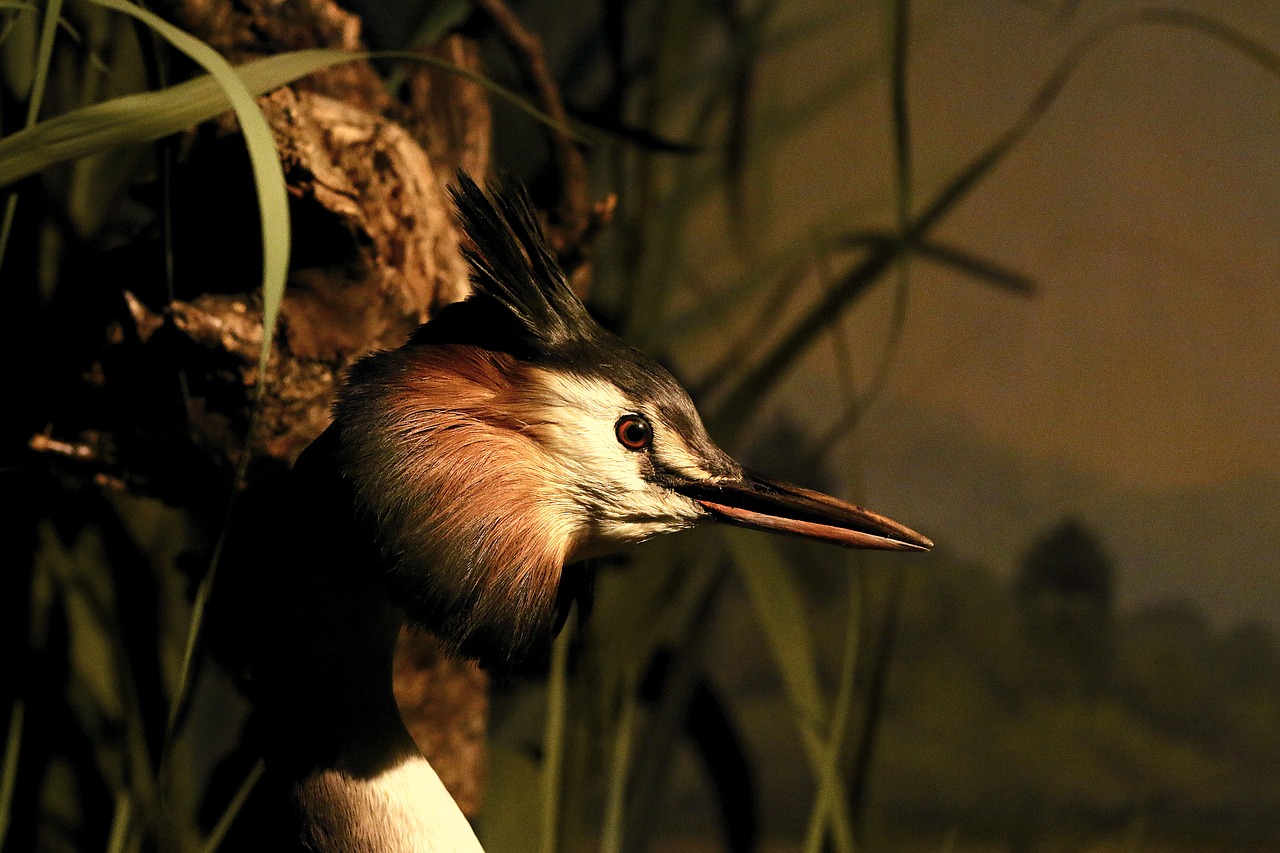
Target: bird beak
column 762, row 503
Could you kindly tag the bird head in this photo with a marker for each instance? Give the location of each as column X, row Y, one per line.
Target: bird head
column 513, row 435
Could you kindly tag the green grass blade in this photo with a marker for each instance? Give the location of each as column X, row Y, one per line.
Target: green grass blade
column 665, row 239
column 228, row 817
column 977, row 268
column 747, row 32
column 526, row 106
column 94, row 59
column 757, row 382
column 436, row 22
column 832, row 791
column 1243, row 44
column 779, row 610
column 776, row 602
column 7, row 30
column 17, row 63
column 900, row 123
column 148, row 116
column 9, row 775
column 777, row 606
column 840, row 714
column 553, row 740
column 182, row 691
column 882, row 660
column 774, row 272
column 268, row 177
column 44, row 57
column 121, row 821
column 1053, row 85
column 273, row 211
column 612, row 832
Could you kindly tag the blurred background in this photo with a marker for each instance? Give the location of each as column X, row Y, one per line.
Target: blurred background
column 1003, row 270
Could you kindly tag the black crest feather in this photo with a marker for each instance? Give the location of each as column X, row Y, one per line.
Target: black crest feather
column 512, row 264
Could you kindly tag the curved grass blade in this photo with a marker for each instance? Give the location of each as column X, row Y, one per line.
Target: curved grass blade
column 899, row 42
column 17, row 62
column 436, row 22
column 92, row 56
column 648, row 315
column 611, row 833
column 903, row 172
column 1061, row 75
column 142, row 117
column 781, row 616
column 148, row 116
column 843, row 707
column 900, row 118
column 607, row 127
column 9, row 775
column 121, row 822
column 757, row 382
column 268, row 176
column 745, row 32
column 553, row 741
column 980, row 269
column 44, row 54
column 976, row 267
column 520, row 103
column 777, row 606
column 784, row 286
column 878, row 682
column 228, row 817
column 724, row 303
column 44, row 57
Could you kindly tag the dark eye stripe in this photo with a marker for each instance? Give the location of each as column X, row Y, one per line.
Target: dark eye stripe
column 633, row 432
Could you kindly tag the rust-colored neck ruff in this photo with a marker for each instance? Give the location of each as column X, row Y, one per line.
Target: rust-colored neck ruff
column 460, row 499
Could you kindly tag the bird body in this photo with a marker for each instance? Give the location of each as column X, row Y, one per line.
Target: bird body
column 511, row 436
column 342, row 771
column 404, row 808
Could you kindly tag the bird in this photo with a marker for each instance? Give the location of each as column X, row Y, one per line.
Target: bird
column 510, row 437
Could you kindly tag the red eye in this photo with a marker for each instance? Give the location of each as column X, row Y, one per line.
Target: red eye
column 634, row 432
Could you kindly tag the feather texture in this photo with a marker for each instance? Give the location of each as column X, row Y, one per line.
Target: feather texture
column 461, row 501
column 512, row 264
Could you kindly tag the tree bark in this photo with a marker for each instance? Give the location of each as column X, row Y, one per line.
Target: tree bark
column 165, row 407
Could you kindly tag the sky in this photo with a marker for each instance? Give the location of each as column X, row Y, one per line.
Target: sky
column 1147, row 206
column 1141, row 386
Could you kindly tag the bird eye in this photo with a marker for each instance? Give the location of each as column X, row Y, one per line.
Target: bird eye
column 634, row 432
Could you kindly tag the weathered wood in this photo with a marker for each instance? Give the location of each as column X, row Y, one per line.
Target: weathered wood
column 165, row 409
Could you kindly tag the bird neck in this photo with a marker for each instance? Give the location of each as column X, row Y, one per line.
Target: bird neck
column 328, row 696
column 356, row 779
column 334, row 742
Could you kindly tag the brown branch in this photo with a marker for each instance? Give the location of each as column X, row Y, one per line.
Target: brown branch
column 575, row 207
column 78, row 451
